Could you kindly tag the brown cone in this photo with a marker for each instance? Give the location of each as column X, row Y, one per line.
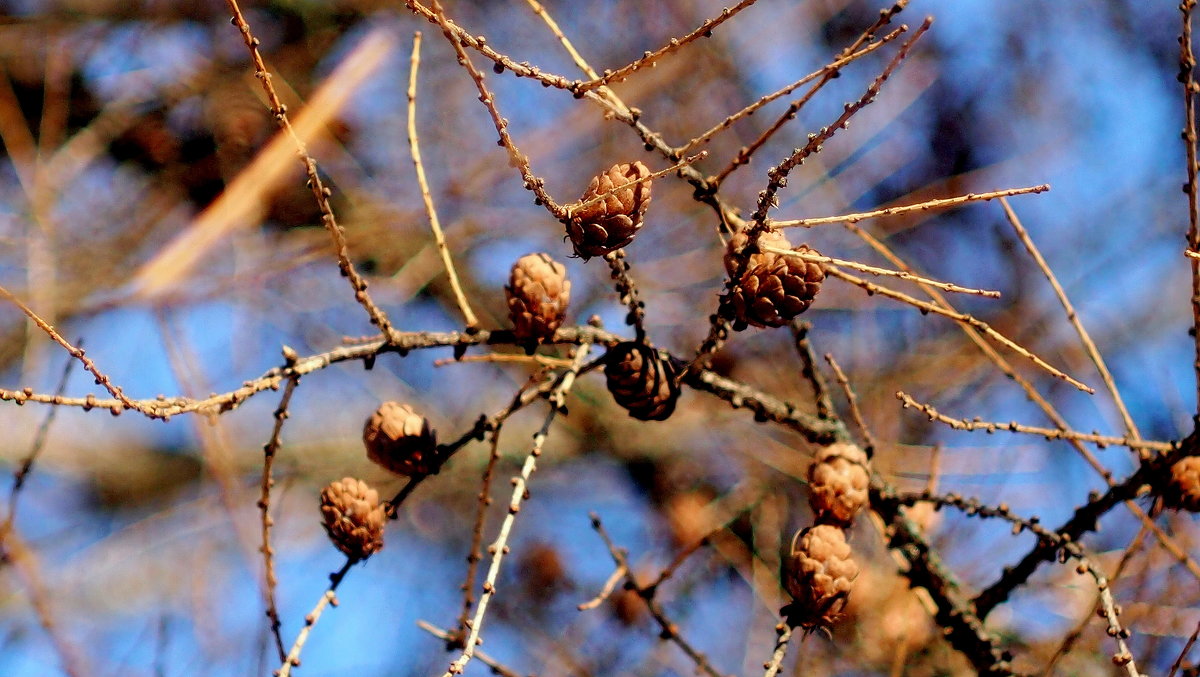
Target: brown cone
column 400, row 440
column 772, row 288
column 354, row 517
column 837, row 483
column 609, row 224
column 1183, row 489
column 538, row 292
column 818, row 575
column 641, row 381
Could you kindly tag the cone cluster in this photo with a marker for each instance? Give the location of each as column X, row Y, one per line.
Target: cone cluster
column 353, row 517
column 537, row 292
column 610, row 223
column 401, row 440
column 641, row 381
column 1183, row 487
column 819, row 571
column 770, row 288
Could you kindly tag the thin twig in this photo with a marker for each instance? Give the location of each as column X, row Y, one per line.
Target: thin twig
column 1183, row 654
column 628, row 292
column 538, row 359
column 328, row 598
column 649, row 58
column 852, row 401
column 426, row 196
column 783, row 632
column 1187, row 77
column 605, row 590
column 264, row 506
column 14, row 549
column 320, row 192
column 499, row 547
column 21, row 474
column 516, row 157
column 927, row 307
column 830, row 68
column 808, row 358
column 777, row 176
column 884, row 272
column 496, row 666
column 1065, row 646
column 670, row 631
column 744, row 154
column 928, row 205
column 123, row 401
column 1036, row 397
column 1089, row 346
column 1048, row 433
column 1064, row 546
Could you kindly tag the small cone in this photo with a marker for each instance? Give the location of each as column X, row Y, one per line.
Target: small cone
column 400, row 440
column 353, row 517
column 609, row 224
column 641, row 381
column 772, row 288
column 818, row 574
column 1183, row 488
column 837, row 483
column 538, row 292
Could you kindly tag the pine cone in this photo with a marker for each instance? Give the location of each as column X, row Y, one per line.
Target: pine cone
column 837, row 483
column 641, row 381
column 609, row 224
column 1183, row 488
column 818, row 575
column 538, row 292
column 773, row 288
column 400, row 440
column 354, row 517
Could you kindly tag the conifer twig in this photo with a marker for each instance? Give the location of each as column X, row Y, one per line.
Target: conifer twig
column 499, row 547
column 264, row 504
column 650, row 58
column 928, row 205
column 320, row 192
column 1089, row 346
column 328, row 599
column 515, row 156
column 927, row 307
column 670, row 631
column 783, row 637
column 1048, row 433
column 828, row 69
column 884, row 272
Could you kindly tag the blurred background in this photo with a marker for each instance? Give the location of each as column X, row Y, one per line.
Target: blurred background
column 120, row 122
